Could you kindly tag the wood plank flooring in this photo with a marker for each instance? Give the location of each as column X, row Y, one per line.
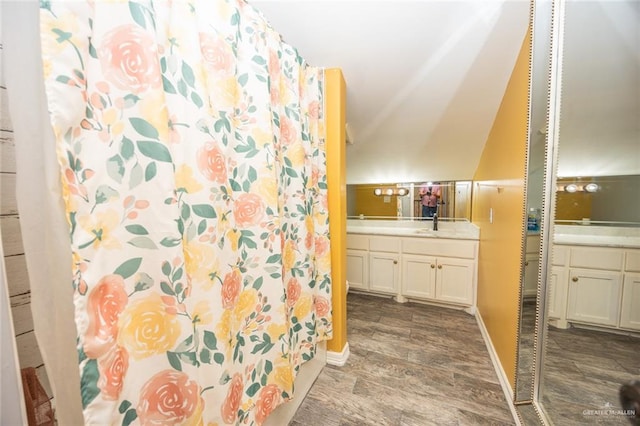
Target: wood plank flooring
column 584, row 370
column 410, row 364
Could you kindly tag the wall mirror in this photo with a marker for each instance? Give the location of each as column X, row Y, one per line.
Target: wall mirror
column 592, row 336
column 541, row 15
column 588, row 310
column 386, row 200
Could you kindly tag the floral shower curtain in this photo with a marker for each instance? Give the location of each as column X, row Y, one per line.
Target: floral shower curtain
column 190, row 141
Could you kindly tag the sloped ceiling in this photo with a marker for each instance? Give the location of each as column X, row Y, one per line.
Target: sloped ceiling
column 600, row 111
column 424, row 78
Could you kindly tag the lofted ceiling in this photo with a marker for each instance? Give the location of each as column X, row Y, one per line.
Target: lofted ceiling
column 600, row 111
column 425, row 78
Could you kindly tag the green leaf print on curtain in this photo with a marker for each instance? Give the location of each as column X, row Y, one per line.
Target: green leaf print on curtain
column 192, row 158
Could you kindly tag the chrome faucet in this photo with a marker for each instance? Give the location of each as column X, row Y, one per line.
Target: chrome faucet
column 435, row 221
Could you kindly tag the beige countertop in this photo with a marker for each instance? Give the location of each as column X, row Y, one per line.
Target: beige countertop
column 420, row 229
column 600, row 236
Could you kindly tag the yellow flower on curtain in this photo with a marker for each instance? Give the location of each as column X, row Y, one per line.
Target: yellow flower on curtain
column 201, row 314
column 276, row 331
column 289, row 254
column 246, row 304
column 100, row 226
column 147, row 329
column 303, row 306
column 297, row 154
column 283, row 377
column 267, row 187
column 153, row 109
column 185, row 179
column 200, row 261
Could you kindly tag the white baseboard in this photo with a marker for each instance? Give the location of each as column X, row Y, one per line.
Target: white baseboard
column 502, row 376
column 338, row 358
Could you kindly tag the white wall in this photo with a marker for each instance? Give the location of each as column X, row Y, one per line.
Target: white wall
column 17, row 282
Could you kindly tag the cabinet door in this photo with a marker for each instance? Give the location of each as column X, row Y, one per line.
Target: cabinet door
column 358, row 269
column 418, row 276
column 454, row 281
column 557, row 295
column 630, row 315
column 531, row 275
column 383, row 272
column 594, row 296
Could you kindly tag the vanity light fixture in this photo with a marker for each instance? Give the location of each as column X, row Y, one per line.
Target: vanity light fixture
column 572, row 187
column 391, row 191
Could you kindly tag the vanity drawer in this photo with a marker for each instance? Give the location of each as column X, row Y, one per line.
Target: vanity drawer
column 597, row 258
column 440, row 247
column 357, row 242
column 632, row 264
column 560, row 255
column 387, row 244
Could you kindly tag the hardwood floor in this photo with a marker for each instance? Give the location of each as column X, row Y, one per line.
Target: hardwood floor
column 410, row 364
column 584, row 370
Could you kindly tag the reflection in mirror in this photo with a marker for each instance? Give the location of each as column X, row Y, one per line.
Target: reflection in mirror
column 598, row 200
column 592, row 340
column 453, row 200
column 539, row 95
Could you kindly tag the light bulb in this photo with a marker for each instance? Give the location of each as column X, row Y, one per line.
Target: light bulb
column 591, row 187
column 571, row 187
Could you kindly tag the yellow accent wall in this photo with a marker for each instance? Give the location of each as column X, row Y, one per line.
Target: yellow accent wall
column 499, row 188
column 335, row 121
column 369, row 204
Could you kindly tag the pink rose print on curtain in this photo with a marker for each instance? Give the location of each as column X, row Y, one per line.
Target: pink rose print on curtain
column 212, row 163
column 269, row 399
column 229, row 409
column 169, row 398
column 106, row 301
column 248, row 209
column 230, row 289
column 217, row 54
column 129, row 59
column 293, row 291
column 112, row 368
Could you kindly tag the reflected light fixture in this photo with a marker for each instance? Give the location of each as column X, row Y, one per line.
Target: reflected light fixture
column 572, row 187
column 391, row 191
column 591, row 187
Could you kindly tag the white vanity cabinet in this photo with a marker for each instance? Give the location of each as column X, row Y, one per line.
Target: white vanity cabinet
column 384, row 268
column 595, row 284
column 438, row 270
column 630, row 313
column 358, row 262
column 601, row 286
column 442, row 270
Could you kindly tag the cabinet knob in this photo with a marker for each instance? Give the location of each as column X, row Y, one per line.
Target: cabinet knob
column 526, row 263
column 433, row 266
column 574, row 279
column 395, row 262
column 439, row 266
